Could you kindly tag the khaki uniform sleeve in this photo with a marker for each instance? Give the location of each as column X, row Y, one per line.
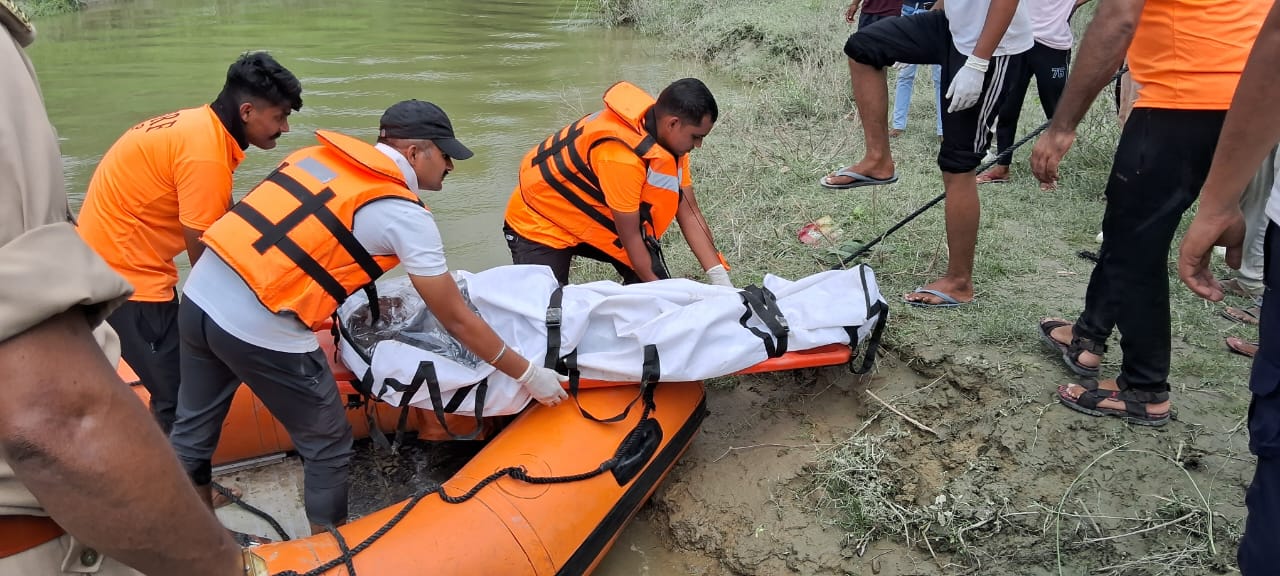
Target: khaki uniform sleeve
column 45, row 268
column 49, row 270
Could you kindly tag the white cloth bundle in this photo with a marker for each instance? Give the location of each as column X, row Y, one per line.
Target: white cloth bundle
column 698, row 330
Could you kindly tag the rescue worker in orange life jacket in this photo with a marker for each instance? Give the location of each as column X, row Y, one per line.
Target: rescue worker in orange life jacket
column 328, row 221
column 607, row 186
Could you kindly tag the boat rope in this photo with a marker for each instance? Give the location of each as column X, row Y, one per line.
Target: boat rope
column 513, row 472
column 342, row 545
column 250, row 508
column 844, row 262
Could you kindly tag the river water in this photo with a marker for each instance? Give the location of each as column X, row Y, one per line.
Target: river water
column 507, row 73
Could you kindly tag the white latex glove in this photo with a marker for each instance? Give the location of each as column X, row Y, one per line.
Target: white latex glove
column 966, row 87
column 544, row 384
column 719, row 276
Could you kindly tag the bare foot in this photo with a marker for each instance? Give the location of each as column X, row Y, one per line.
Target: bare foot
column 995, row 175
column 961, row 290
column 896, row 132
column 883, row 170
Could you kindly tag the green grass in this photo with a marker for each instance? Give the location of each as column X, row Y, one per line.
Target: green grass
column 38, row 8
column 756, row 180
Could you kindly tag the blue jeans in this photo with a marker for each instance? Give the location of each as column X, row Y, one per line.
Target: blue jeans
column 906, row 83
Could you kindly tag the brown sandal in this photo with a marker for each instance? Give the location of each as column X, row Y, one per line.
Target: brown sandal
column 1071, row 352
column 1242, row 315
column 1242, row 347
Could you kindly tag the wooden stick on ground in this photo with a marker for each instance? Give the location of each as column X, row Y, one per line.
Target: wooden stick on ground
column 904, row 416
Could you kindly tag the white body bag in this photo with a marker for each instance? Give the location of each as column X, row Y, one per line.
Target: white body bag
column 674, row 330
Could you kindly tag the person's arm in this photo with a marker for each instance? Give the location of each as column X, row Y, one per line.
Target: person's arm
column 194, row 247
column 999, row 15
column 85, row 446
column 851, row 13
column 446, row 303
column 622, row 176
column 1101, row 53
column 1249, row 132
column 698, row 234
column 966, row 86
column 204, row 195
column 628, row 224
column 410, row 232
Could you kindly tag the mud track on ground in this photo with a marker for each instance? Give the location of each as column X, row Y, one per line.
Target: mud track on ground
column 806, row 473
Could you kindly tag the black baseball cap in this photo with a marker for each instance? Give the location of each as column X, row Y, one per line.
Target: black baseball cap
column 419, row 120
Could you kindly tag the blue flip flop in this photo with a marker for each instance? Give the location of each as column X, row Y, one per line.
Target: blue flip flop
column 947, row 300
column 859, row 180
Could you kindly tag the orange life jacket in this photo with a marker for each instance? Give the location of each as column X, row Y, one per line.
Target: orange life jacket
column 290, row 238
column 558, row 182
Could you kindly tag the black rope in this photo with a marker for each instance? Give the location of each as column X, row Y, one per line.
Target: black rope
column 342, row 545
column 513, row 472
column 252, row 510
column 912, row 216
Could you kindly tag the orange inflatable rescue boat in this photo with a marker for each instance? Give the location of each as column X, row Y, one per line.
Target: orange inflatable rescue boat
column 548, row 494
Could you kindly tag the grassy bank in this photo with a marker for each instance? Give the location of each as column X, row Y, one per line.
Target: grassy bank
column 757, row 180
column 38, row 8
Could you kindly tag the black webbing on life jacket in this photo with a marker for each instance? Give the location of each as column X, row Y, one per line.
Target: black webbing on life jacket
column 650, row 374
column 549, row 150
column 652, row 245
column 554, row 318
column 762, row 304
column 582, row 180
column 276, row 234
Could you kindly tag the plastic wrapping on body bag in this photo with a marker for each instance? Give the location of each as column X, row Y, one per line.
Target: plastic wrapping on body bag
column 698, row 330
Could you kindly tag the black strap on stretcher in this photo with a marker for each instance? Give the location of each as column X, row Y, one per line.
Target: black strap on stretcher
column 426, row 374
column 554, row 319
column 881, row 311
column 650, row 374
column 762, row 304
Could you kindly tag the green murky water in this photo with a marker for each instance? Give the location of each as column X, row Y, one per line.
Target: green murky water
column 508, row 73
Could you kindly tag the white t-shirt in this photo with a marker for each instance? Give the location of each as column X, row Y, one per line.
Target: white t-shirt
column 967, row 17
column 1049, row 23
column 383, row 227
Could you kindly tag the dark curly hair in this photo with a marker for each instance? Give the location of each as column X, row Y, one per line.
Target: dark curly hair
column 258, row 75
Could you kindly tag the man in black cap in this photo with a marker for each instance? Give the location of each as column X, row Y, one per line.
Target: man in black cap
column 327, row 222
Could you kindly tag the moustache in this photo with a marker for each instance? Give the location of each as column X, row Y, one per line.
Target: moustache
column 277, row 135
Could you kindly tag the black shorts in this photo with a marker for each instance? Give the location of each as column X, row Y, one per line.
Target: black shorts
column 925, row 38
